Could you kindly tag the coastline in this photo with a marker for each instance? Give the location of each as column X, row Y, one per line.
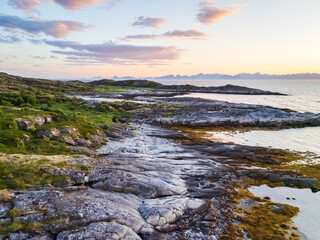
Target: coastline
column 153, row 174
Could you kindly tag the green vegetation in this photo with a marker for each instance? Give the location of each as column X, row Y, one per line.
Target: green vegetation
column 107, row 89
column 261, row 219
column 15, row 84
column 21, row 175
column 127, row 83
column 26, row 98
column 261, row 222
column 16, row 226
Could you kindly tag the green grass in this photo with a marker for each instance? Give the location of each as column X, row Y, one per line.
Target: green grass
column 108, row 89
column 17, row 175
column 21, row 174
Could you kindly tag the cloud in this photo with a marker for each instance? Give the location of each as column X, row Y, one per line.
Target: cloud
column 38, row 57
column 56, row 29
column 188, row 34
column 9, row 39
column 110, row 52
column 77, row 4
column 209, row 14
column 109, row 4
column 28, row 6
column 148, row 22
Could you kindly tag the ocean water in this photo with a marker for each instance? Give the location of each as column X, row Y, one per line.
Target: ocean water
column 308, row 218
column 303, row 96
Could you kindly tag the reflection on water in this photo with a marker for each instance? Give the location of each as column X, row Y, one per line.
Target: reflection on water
column 297, row 139
column 304, row 95
column 297, row 103
column 308, row 220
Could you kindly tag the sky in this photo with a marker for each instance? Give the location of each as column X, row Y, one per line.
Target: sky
column 73, row 39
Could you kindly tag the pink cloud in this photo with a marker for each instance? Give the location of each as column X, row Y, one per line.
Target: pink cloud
column 148, row 22
column 28, row 6
column 209, row 14
column 114, row 53
column 77, row 4
column 189, row 34
column 56, row 29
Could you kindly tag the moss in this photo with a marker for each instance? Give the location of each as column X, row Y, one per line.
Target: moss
column 167, row 114
column 15, row 212
column 16, row 226
column 262, row 220
column 262, row 223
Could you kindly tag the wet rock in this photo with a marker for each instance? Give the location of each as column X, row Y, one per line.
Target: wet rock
column 100, row 231
column 298, row 181
column 314, row 189
column 276, row 208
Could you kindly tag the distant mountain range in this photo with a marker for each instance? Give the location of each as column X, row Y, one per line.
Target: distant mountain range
column 202, row 76
column 216, row 76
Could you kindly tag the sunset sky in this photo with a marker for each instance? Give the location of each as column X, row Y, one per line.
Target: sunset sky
column 66, row 39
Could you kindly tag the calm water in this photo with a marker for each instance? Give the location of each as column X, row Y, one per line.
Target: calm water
column 304, row 96
column 308, row 220
column 300, row 139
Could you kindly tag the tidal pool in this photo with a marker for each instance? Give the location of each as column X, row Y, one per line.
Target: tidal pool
column 308, row 219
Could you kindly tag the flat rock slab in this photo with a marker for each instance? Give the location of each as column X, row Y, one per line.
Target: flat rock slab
column 100, row 231
column 162, row 212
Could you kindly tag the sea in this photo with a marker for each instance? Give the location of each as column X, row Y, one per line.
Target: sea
column 303, row 96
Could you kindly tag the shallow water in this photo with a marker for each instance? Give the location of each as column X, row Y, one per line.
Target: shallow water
column 308, row 220
column 297, row 139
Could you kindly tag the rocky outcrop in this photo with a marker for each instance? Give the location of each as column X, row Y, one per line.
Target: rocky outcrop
column 142, row 185
column 48, row 134
column 100, row 231
column 24, row 125
column 196, row 112
column 28, row 124
column 71, row 137
column 163, row 213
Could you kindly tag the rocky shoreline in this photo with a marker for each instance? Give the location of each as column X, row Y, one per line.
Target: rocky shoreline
column 153, row 182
